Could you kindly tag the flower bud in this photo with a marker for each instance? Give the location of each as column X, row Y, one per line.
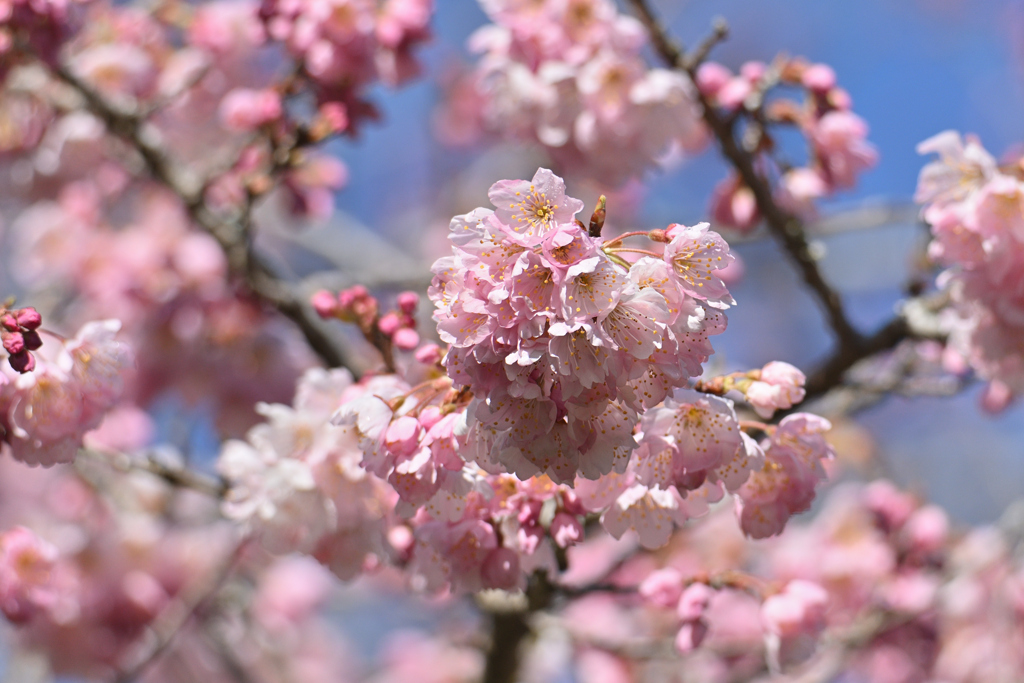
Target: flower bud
column 408, row 302
column 29, row 318
column 32, row 340
column 819, row 78
column 406, row 339
column 23, row 362
column 500, row 569
column 663, row 587
column 325, row 304
column 389, row 324
column 429, row 354
column 691, row 635
column 694, row 601
column 566, row 530
column 13, row 342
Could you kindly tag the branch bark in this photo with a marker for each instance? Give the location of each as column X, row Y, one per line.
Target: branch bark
column 510, row 628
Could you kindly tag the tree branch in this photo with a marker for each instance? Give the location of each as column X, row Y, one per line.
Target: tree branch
column 851, row 345
column 510, row 626
column 129, row 124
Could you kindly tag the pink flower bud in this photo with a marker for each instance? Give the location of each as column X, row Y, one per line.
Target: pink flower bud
column 389, row 323
column 691, row 635
column 819, row 77
column 782, row 375
column 401, row 538
column 10, row 322
column 429, row 354
column 500, row 569
column 694, row 601
column 753, row 71
column 733, row 205
column 733, row 93
column 891, row 506
column 711, row 77
column 928, row 528
column 406, row 339
column 572, row 504
column 663, row 587
column 408, row 301
column 566, row 530
column 996, row 398
column 430, row 416
column 335, row 115
column 348, row 297
column 529, row 514
column 243, row 109
column 325, row 304
column 840, row 99
column 32, row 340
column 13, row 342
column 781, row 386
column 529, row 539
column 23, row 362
column 29, row 318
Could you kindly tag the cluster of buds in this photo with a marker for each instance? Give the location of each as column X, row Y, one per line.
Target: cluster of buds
column 776, row 386
column 668, row 588
column 20, row 336
column 838, row 151
column 557, row 517
column 394, row 329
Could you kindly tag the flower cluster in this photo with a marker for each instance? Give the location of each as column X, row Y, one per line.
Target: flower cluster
column 666, row 588
column 785, row 485
column 692, row 452
column 345, row 45
column 561, row 342
column 837, row 148
column 45, row 413
column 875, row 564
column 18, row 331
column 296, row 481
column 505, row 530
column 41, row 24
column 976, row 212
column 569, row 74
column 26, row 574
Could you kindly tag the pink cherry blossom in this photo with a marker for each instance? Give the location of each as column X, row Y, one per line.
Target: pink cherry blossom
column 842, row 150
column 26, row 567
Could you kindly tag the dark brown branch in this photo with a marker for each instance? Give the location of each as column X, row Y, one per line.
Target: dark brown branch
column 851, row 345
column 830, row 373
column 510, row 627
column 232, row 234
